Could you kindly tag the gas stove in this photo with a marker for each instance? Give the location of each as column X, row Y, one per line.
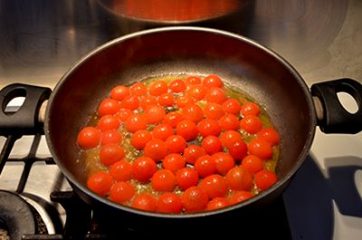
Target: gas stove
column 40, row 40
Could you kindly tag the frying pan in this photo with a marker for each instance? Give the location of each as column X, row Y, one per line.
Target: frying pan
column 294, row 109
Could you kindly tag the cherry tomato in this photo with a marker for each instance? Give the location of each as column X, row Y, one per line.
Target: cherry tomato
column 217, row 203
column 147, row 101
column 212, row 80
column 138, row 89
column 227, row 138
column 264, row 179
column 108, row 122
column 119, row 92
column 211, row 144
column 143, row 168
column 252, row 163
column 163, row 181
column 140, row 138
column 197, row 92
column 215, row 95
column 166, row 100
column 155, row 114
column 260, row 148
column 194, row 199
column 270, row 135
column 239, row 196
column 155, row 149
column 187, row 177
column 108, row 106
column 88, row 137
column 192, row 80
column 177, row 86
column 207, row 127
column 232, row 106
column 183, row 101
column 205, row 166
column 224, row 162
column 193, row 152
column 111, row 153
column 173, row 118
column 173, row 162
column 162, row 131
column 239, row 179
column 158, row 88
column 250, row 108
column 175, row 144
column 192, row 112
column 214, row 185
column 229, row 122
column 213, row 111
column 100, row 183
column 123, row 114
column 252, row 124
column 238, row 150
column 130, row 102
column 135, row 122
column 145, row 202
column 121, row 192
column 187, row 129
column 111, row 136
column 169, row 203
column 121, row 170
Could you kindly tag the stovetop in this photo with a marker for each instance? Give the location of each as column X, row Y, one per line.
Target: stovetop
column 40, row 40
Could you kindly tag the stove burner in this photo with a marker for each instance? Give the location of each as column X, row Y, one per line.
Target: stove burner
column 16, row 215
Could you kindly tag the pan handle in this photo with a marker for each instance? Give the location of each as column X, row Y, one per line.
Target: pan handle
column 25, row 120
column 333, row 117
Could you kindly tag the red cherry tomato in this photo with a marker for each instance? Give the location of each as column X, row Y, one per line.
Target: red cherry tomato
column 121, row 192
column 213, row 111
column 100, row 183
column 197, row 92
column 140, row 138
column 88, row 137
column 108, row 122
column 250, row 108
column 147, row 101
column 252, row 124
column 166, row 100
column 121, row 170
column 232, row 106
column 136, row 122
column 158, row 88
column 224, row 162
column 211, row 144
column 138, row 89
column 192, row 80
column 252, row 163
column 183, row 101
column 187, row 177
column 205, row 166
column 155, row 114
column 212, row 80
column 163, row 181
column 264, row 179
column 173, row 162
column 260, row 148
column 162, row 131
column 229, row 137
column 229, row 122
column 173, row 118
column 175, row 144
column 214, row 185
column 193, row 152
column 187, row 129
column 192, row 112
column 177, row 86
column 111, row 153
column 207, row 127
column 217, row 203
column 108, row 106
column 269, row 135
column 239, row 196
column 111, row 136
column 238, row 150
column 145, row 202
column 130, row 102
column 123, row 114
column 169, row 203
column 119, row 92
column 239, row 179
column 194, row 199
column 155, row 149
column 215, row 95
column 143, row 168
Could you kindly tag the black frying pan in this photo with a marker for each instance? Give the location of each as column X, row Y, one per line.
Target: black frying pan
column 272, row 81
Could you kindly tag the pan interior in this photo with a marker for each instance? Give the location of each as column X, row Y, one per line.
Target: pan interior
column 239, row 62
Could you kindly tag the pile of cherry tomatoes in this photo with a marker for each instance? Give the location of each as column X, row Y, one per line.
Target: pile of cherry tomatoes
column 179, row 144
